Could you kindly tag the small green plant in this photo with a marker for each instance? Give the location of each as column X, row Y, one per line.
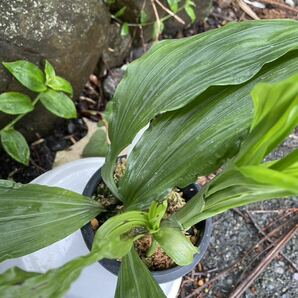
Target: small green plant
column 223, row 99
column 51, row 92
column 173, row 8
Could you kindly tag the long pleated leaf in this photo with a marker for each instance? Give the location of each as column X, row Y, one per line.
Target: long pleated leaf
column 34, row 216
column 18, row 283
column 174, row 72
column 135, row 280
column 247, row 192
column 246, row 179
column 197, row 139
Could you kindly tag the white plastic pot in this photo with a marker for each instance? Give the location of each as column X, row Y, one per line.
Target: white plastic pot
column 95, row 281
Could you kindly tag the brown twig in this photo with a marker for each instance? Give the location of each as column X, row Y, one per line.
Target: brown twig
column 286, row 214
column 178, row 19
column 280, row 5
column 263, row 264
column 260, row 231
column 247, row 10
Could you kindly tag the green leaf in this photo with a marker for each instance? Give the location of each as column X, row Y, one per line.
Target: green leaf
column 135, row 280
column 246, row 179
column 17, row 283
column 143, row 17
column 174, row 72
column 173, row 5
column 176, row 245
column 15, row 103
column 156, row 213
column 124, row 30
column 27, row 74
column 15, row 145
column 49, row 71
column 196, row 140
column 34, row 216
column 288, row 164
column 97, row 145
column 120, row 12
column 59, row 104
column 119, row 232
column 237, row 191
column 271, row 177
column 55, row 82
column 276, row 115
column 190, row 12
column 59, row 84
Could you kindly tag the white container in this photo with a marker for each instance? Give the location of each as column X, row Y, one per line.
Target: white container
column 94, row 281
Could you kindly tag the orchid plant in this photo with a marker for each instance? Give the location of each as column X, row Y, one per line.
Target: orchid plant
column 222, row 99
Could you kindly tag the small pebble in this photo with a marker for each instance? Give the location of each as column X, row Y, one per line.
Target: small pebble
column 279, row 270
column 290, row 3
column 295, row 276
column 94, row 223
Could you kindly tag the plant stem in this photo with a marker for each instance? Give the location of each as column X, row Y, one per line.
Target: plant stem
column 148, row 23
column 19, row 117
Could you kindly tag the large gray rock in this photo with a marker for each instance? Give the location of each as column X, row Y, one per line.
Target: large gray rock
column 71, row 34
column 134, row 7
column 118, row 47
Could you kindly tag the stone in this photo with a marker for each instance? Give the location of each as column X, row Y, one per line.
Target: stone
column 111, row 81
column 71, row 34
column 134, row 7
column 118, row 47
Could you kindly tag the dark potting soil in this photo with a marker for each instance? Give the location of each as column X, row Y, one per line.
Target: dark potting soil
column 159, row 260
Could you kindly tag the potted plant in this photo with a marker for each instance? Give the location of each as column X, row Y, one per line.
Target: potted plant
column 219, row 100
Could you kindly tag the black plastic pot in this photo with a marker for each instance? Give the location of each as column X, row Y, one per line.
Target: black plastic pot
column 205, row 228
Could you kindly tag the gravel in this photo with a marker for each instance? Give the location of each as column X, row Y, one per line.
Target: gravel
column 232, row 237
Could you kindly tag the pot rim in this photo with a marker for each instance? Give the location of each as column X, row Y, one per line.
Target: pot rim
column 162, row 275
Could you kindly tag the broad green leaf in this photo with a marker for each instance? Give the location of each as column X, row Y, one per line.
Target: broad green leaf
column 174, row 72
column 176, row 245
column 59, row 84
column 135, row 280
column 124, row 30
column 119, row 232
column 55, row 82
column 113, row 239
column 27, row 74
column 276, row 115
column 49, row 71
column 196, row 140
column 34, row 216
column 17, row 283
column 15, row 145
column 15, row 103
column 271, row 177
column 246, row 179
column 58, row 103
column 288, row 164
column 97, row 145
column 242, row 191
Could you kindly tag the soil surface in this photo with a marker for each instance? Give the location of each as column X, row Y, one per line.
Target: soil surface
column 43, row 152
